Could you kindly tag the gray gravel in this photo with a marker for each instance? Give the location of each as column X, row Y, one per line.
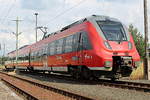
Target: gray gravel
column 141, row 81
column 97, row 92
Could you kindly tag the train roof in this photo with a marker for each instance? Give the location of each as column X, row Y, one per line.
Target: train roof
column 90, row 18
column 13, row 52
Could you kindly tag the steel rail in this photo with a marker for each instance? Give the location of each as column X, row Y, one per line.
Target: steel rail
column 56, row 90
column 145, row 87
column 20, row 91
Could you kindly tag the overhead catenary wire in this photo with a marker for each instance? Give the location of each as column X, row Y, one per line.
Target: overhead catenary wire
column 63, row 12
column 59, row 15
column 4, row 16
column 7, row 14
column 53, row 18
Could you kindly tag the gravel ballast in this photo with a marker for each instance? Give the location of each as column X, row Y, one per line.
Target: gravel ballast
column 97, row 92
column 7, row 94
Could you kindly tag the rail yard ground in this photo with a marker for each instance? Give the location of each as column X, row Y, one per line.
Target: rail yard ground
column 97, row 92
column 7, row 94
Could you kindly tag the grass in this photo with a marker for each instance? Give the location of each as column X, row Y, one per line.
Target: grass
column 2, row 67
column 138, row 73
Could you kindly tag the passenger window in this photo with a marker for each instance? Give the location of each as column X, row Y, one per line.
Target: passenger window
column 68, row 44
column 45, row 49
column 84, row 43
column 32, row 56
column 52, row 48
column 59, row 46
column 49, row 46
column 75, row 42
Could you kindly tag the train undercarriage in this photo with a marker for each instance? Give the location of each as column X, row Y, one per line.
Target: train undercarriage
column 121, row 67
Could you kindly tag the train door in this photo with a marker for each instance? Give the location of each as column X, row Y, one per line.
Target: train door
column 45, row 58
column 83, row 46
column 29, row 58
column 45, row 65
column 80, row 49
column 75, row 47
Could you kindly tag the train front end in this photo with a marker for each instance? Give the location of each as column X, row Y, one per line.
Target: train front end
column 115, row 47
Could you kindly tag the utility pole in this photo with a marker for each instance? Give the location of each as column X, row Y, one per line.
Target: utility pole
column 0, row 47
column 36, row 26
column 146, row 41
column 17, row 34
column 4, row 50
column 3, row 57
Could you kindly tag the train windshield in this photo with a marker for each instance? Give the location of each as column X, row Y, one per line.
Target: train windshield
column 113, row 31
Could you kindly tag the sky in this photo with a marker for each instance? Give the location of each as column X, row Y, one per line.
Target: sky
column 55, row 14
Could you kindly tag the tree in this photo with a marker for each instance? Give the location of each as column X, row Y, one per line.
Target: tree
column 138, row 40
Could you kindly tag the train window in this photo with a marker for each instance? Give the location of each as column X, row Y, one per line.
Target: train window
column 84, row 43
column 32, row 56
column 113, row 31
column 63, row 45
column 68, row 44
column 14, row 58
column 26, row 57
column 19, row 58
column 85, row 40
column 59, row 46
column 45, row 49
column 48, row 51
column 75, row 42
column 37, row 56
column 40, row 52
column 52, row 48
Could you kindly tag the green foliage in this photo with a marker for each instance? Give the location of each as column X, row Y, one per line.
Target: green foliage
column 138, row 40
column 2, row 60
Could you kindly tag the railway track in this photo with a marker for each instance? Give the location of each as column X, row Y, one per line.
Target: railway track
column 127, row 85
column 145, row 87
column 117, row 84
column 36, row 91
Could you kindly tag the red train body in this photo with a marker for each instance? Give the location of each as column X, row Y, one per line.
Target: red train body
column 94, row 46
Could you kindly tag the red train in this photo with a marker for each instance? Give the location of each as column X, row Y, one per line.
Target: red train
column 94, row 46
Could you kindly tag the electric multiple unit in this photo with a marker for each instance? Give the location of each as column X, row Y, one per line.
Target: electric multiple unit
column 92, row 47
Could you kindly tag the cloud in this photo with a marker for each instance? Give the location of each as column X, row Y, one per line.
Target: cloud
column 39, row 4
column 32, row 4
column 126, row 12
column 120, row 1
column 4, row 31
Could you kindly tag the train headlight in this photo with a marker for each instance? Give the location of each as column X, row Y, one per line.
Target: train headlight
column 130, row 45
column 108, row 63
column 107, row 45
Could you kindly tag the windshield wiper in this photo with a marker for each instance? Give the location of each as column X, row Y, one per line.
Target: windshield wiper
column 120, row 39
column 120, row 36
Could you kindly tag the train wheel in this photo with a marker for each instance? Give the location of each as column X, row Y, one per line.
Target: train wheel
column 75, row 72
column 31, row 69
column 17, row 71
column 113, row 79
column 77, row 75
column 86, row 73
